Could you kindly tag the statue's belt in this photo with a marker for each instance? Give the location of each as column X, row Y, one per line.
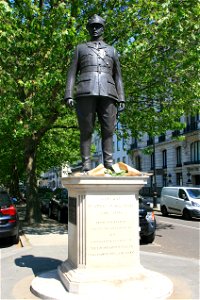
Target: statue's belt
column 98, row 69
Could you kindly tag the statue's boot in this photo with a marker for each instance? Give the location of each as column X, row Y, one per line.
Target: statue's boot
column 107, row 148
column 86, row 164
column 85, row 144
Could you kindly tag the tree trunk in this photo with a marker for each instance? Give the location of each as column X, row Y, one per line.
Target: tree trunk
column 33, row 210
column 14, row 183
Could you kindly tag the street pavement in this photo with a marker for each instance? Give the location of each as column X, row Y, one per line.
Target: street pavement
column 44, row 247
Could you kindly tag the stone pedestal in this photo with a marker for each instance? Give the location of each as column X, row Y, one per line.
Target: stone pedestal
column 103, row 245
column 103, row 235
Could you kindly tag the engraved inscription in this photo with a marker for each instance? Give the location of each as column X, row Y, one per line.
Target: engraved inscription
column 110, row 221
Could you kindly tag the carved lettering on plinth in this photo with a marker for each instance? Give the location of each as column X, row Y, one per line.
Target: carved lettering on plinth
column 110, row 221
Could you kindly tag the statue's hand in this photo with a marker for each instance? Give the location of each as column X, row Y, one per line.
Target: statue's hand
column 121, row 107
column 69, row 102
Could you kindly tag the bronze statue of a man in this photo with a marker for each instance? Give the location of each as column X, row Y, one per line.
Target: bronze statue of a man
column 99, row 90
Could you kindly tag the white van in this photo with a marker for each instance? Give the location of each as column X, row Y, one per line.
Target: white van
column 180, row 200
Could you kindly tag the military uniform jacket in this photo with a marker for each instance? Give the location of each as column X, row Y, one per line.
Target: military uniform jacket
column 96, row 70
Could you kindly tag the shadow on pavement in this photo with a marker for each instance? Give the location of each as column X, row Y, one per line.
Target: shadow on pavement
column 164, row 226
column 6, row 242
column 47, row 225
column 37, row 264
column 45, row 228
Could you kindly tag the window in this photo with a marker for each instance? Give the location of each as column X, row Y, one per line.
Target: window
column 113, row 146
column 178, row 157
column 150, row 141
column 192, row 123
column 124, row 159
column 164, row 158
column 152, row 161
column 138, row 163
column 179, row 179
column 161, row 138
column 195, row 151
column 118, row 144
column 124, row 143
column 134, row 144
column 192, row 119
column 164, row 179
column 182, row 194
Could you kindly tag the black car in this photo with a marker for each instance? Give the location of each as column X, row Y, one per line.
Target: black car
column 58, row 205
column 9, row 220
column 147, row 222
column 45, row 195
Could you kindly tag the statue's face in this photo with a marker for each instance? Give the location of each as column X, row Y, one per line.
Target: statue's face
column 96, row 30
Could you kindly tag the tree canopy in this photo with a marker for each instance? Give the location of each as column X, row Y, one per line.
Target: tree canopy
column 158, row 46
column 161, row 63
column 35, row 52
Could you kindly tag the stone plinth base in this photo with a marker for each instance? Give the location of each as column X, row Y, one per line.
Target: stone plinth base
column 81, row 281
column 103, row 245
column 144, row 285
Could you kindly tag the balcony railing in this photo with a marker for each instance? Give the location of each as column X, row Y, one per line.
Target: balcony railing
column 192, row 126
column 161, row 138
column 150, row 142
column 134, row 146
column 176, row 133
column 192, row 162
column 178, row 165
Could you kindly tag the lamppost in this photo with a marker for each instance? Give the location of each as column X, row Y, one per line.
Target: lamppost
column 154, row 175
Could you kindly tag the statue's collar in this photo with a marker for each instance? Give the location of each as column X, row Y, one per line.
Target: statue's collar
column 92, row 44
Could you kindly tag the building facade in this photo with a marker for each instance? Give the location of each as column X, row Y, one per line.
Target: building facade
column 173, row 158
column 53, row 177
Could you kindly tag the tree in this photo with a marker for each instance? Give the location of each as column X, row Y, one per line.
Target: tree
column 36, row 48
column 161, row 62
column 157, row 42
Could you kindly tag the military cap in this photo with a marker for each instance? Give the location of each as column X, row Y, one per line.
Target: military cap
column 95, row 19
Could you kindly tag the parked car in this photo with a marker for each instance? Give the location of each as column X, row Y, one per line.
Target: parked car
column 45, row 195
column 180, row 200
column 58, row 205
column 147, row 222
column 9, row 220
